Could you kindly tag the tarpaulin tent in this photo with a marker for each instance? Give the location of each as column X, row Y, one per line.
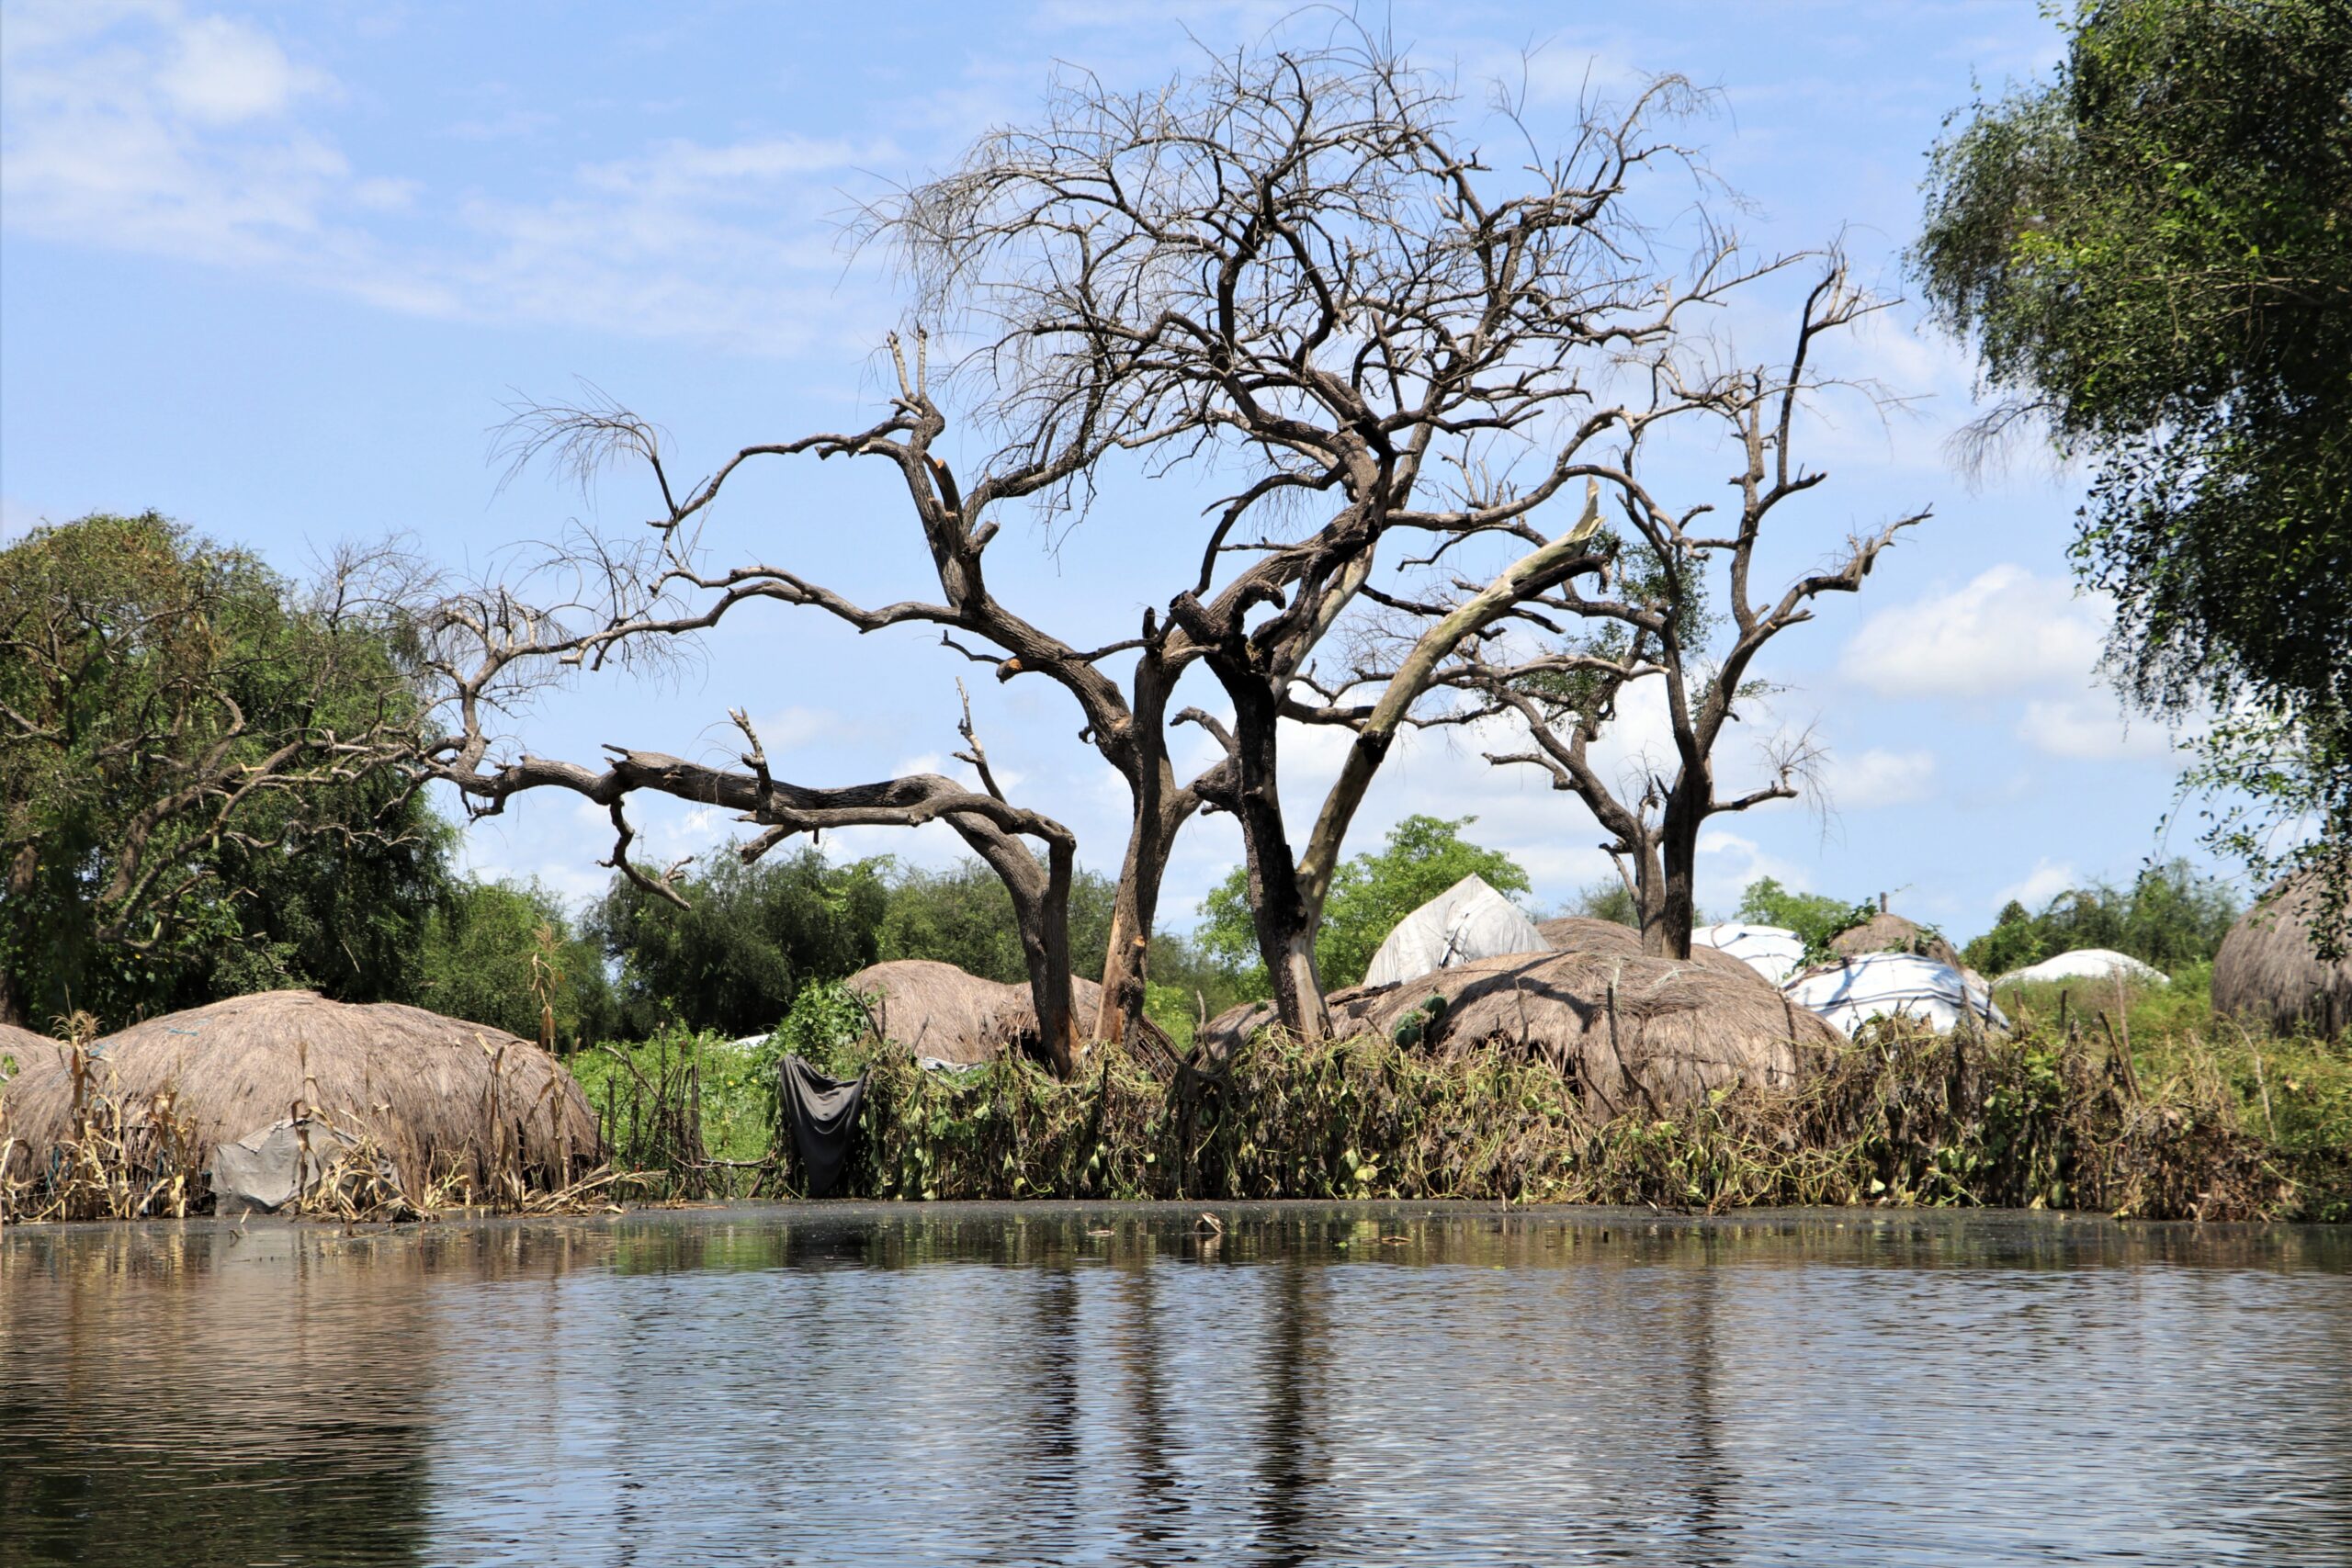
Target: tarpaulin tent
column 1888, row 984
column 2086, row 964
column 1468, row 920
column 1772, row 952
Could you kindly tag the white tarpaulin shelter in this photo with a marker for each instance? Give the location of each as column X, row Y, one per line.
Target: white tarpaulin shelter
column 1772, row 952
column 1887, row 984
column 2086, row 964
column 1468, row 920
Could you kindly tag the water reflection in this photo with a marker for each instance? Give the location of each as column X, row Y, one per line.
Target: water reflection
column 1316, row 1384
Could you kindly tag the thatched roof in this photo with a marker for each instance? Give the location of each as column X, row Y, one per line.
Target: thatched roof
column 1884, row 933
column 1632, row 1032
column 28, row 1049
column 2268, row 970
column 941, row 1013
column 435, row 1095
column 1583, row 933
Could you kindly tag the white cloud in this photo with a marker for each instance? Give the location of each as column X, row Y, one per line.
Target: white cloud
column 2091, row 730
column 2005, row 630
column 223, row 73
column 2047, row 880
column 1876, row 778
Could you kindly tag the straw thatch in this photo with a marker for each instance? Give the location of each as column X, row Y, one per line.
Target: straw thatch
column 1633, row 1034
column 28, row 1049
column 942, row 1014
column 1583, row 933
column 439, row 1098
column 2268, row 970
column 1884, row 933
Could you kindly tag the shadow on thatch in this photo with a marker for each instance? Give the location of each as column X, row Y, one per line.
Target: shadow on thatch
column 2269, row 970
column 27, row 1050
column 1884, row 933
column 448, row 1103
column 1630, row 1034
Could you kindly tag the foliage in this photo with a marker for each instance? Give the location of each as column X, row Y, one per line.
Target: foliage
column 1606, row 899
column 2170, row 917
column 507, row 955
column 754, row 935
column 2154, row 252
column 963, row 915
column 1903, row 1117
column 1814, row 917
column 1370, row 893
column 672, row 1104
column 195, row 796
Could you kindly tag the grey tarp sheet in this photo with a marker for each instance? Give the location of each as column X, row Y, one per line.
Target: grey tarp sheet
column 260, row 1169
column 823, row 1114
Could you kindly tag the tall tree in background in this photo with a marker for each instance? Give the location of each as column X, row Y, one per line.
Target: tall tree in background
column 198, row 788
column 2153, row 254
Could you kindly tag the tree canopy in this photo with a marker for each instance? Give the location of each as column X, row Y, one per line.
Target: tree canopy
column 196, row 790
column 2169, row 917
column 2153, row 254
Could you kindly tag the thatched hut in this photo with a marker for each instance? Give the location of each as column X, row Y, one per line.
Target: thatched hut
column 1633, row 1034
column 27, row 1049
column 1887, row 932
column 1583, row 933
column 2268, row 971
column 943, row 1014
column 437, row 1097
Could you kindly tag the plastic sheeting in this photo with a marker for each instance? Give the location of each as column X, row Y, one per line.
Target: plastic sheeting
column 1887, row 984
column 264, row 1169
column 2086, row 964
column 1468, row 920
column 1772, row 952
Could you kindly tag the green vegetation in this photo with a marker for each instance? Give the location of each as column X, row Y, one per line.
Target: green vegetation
column 195, row 795
column 1370, row 893
column 1812, row 917
column 2170, row 917
column 2152, row 253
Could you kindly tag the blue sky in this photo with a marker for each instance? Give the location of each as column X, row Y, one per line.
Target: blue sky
column 274, row 270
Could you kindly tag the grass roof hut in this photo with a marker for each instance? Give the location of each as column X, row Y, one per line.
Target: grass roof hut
column 1632, row 1034
column 437, row 1097
column 27, row 1049
column 1887, row 932
column 2268, row 971
column 944, row 1014
column 1583, row 933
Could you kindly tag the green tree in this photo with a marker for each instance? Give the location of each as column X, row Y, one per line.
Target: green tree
column 1606, row 899
column 1814, row 917
column 2152, row 253
column 2171, row 916
column 1370, row 893
column 498, row 953
column 200, row 782
column 962, row 915
column 755, row 936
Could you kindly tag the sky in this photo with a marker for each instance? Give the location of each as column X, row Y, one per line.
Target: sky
column 280, row 271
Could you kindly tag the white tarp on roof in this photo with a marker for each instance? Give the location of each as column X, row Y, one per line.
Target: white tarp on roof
column 1884, row 985
column 2086, row 964
column 1468, row 920
column 1772, row 952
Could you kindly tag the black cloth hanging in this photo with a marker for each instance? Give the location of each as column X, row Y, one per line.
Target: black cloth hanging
column 823, row 1114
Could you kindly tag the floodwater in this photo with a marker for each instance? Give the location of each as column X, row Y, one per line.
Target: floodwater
column 1063, row 1384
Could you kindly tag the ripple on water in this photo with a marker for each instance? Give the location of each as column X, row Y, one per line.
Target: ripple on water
column 1320, row 1385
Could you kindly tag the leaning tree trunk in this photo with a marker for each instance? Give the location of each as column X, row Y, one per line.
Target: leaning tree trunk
column 1041, row 915
column 1285, row 921
column 1161, row 808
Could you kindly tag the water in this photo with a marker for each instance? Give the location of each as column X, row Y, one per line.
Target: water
column 1071, row 1384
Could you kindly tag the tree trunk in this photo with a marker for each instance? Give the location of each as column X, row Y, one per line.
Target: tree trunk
column 1285, row 924
column 1668, row 916
column 1041, row 914
column 1161, row 807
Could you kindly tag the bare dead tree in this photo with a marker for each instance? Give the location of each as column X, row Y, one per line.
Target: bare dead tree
column 1296, row 265
column 1656, row 633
